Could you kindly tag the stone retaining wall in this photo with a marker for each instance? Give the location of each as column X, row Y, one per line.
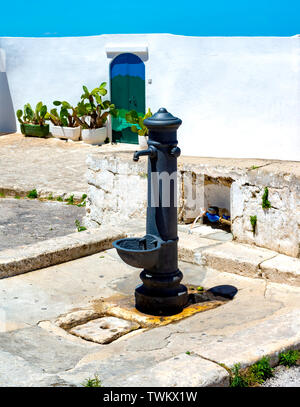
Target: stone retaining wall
column 118, row 192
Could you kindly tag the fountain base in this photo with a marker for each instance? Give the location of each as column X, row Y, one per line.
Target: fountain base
column 171, row 303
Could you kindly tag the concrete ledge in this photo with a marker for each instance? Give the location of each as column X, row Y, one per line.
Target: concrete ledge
column 282, row 269
column 189, row 245
column 54, row 251
column 181, row 371
column 236, row 258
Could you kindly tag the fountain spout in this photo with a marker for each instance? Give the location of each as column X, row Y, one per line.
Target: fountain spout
column 151, row 152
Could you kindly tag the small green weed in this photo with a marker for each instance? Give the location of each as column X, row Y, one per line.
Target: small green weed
column 96, row 382
column 50, row 197
column 261, row 370
column 2, row 195
column 83, row 200
column 188, row 352
column 289, row 358
column 200, row 288
column 253, row 221
column 70, row 200
column 265, row 202
column 254, row 167
column 59, row 199
column 238, row 379
column 17, row 197
column 79, row 227
column 32, row 194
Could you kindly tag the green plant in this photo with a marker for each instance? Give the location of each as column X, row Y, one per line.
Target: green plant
column 2, row 195
column 265, row 202
column 67, row 116
column 83, row 200
column 289, row 358
column 261, row 370
column 70, row 200
column 200, row 288
column 59, row 199
column 238, row 380
column 253, row 221
column 138, row 122
column 30, row 116
column 17, row 197
column 50, row 197
column 79, row 227
column 32, row 194
column 95, row 382
column 254, row 167
column 92, row 111
column 188, row 352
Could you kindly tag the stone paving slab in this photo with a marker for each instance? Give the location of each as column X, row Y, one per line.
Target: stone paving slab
column 282, row 269
column 262, row 318
column 173, row 373
column 52, row 165
column 42, row 350
column 104, row 330
column 27, row 221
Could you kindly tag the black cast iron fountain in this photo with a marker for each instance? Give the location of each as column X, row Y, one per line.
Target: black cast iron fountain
column 161, row 292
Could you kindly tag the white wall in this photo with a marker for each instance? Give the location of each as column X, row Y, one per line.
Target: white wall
column 237, row 96
column 7, row 113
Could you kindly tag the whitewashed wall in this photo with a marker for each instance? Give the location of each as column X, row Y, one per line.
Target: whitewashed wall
column 237, row 96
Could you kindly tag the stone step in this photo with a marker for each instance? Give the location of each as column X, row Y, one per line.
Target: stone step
column 242, row 259
column 58, row 250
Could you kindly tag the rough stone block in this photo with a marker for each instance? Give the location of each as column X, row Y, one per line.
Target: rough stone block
column 104, row 330
column 236, row 258
column 181, row 371
column 282, row 269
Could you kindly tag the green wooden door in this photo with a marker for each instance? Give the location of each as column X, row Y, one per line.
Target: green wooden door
column 127, row 84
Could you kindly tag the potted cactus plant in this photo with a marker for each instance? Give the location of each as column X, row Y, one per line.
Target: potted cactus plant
column 93, row 113
column 65, row 124
column 138, row 126
column 33, row 121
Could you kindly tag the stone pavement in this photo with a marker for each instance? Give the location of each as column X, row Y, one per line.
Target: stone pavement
column 49, row 165
column 27, row 221
column 262, row 319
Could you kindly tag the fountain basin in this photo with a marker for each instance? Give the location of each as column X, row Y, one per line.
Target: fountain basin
column 139, row 252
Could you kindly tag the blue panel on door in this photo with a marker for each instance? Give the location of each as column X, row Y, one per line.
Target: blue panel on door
column 128, row 64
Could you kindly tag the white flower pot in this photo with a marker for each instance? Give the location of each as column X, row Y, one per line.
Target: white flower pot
column 71, row 133
column 94, row 136
column 143, row 142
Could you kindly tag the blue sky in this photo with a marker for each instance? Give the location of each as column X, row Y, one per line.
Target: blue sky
column 194, row 17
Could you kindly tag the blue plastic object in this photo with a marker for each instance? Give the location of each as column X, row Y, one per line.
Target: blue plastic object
column 212, row 218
